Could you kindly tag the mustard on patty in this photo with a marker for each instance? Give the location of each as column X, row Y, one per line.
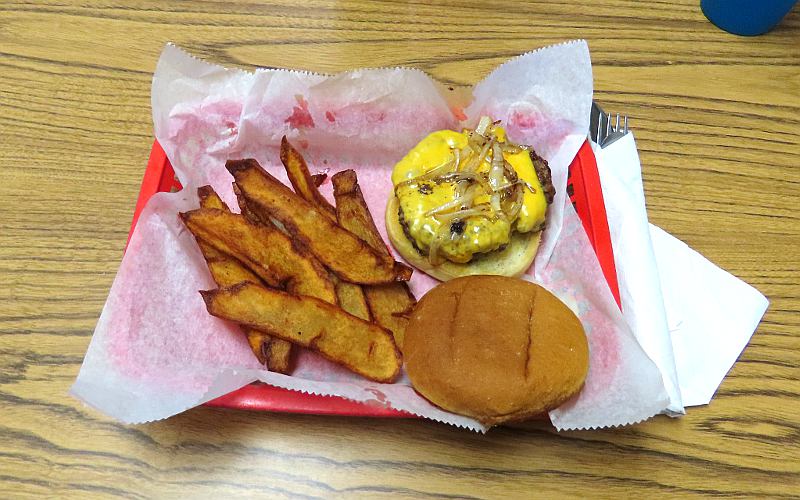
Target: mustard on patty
column 427, row 182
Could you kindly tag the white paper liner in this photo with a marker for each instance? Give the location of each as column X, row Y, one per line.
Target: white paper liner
column 156, row 352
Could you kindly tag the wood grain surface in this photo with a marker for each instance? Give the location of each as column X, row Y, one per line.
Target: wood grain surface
column 717, row 120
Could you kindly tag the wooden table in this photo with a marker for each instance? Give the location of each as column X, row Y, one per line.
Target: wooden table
column 716, row 120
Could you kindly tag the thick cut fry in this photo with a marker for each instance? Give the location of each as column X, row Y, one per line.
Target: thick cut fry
column 301, row 179
column 210, row 199
column 352, row 211
column 275, row 353
column 363, row 347
column 389, row 304
column 351, row 299
column 272, row 351
column 341, row 251
column 264, row 250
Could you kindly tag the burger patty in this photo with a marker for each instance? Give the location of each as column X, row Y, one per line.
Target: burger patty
column 544, row 175
column 404, row 224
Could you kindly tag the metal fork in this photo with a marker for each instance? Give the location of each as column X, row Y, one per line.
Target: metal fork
column 603, row 129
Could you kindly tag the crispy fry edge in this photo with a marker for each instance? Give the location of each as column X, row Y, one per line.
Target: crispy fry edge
column 319, row 178
column 210, row 199
column 245, row 209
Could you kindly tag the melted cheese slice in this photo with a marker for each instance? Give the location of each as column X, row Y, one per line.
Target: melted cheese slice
column 478, row 234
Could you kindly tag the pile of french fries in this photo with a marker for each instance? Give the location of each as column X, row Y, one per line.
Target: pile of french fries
column 294, row 270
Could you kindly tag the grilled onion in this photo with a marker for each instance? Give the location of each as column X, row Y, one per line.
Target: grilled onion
column 433, row 253
column 482, row 210
column 500, row 183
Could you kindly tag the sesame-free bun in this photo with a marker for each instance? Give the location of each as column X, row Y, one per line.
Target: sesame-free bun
column 494, row 348
column 513, row 260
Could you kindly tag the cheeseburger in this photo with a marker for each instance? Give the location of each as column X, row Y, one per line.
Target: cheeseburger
column 469, row 202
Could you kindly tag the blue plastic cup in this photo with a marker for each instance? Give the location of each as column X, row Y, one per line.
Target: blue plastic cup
column 746, row 17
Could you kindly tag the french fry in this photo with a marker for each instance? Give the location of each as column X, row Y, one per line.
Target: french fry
column 352, row 211
column 264, row 250
column 352, row 299
column 389, row 304
column 361, row 346
column 351, row 296
column 319, row 178
column 341, row 251
column 275, row 353
column 245, row 210
column 210, row 199
column 301, row 180
column 225, row 269
column 272, row 351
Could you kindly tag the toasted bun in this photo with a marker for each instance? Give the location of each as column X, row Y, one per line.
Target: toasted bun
column 513, row 260
column 494, row 348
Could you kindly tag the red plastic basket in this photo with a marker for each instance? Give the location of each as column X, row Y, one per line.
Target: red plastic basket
column 585, row 193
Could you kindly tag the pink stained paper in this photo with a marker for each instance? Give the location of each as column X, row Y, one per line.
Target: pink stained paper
column 365, row 120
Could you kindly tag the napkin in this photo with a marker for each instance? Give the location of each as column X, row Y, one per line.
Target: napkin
column 691, row 317
column 711, row 315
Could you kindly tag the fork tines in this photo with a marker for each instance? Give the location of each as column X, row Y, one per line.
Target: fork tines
column 613, row 130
